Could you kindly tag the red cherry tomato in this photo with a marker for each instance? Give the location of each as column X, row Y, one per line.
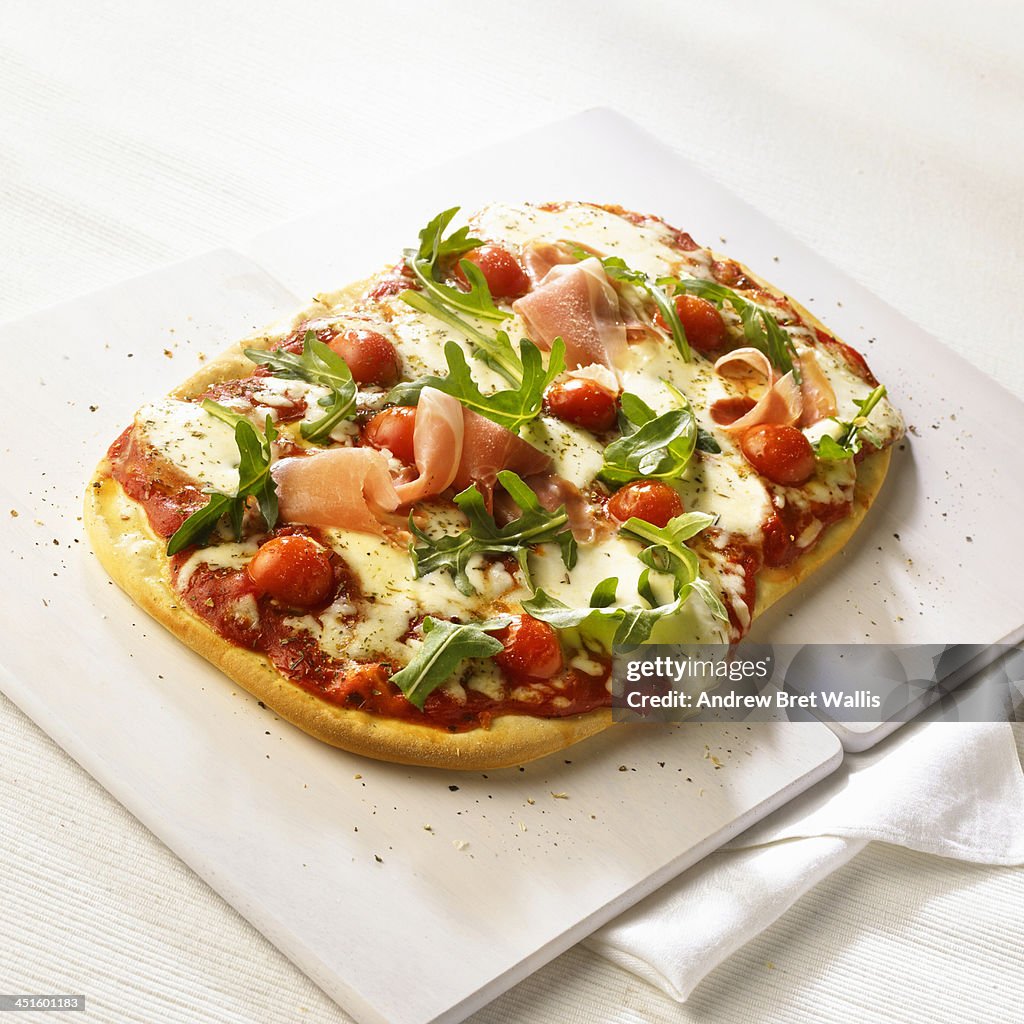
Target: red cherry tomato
column 531, row 650
column 393, row 429
column 780, row 453
column 502, row 272
column 583, row 401
column 294, row 569
column 705, row 329
column 729, row 410
column 650, row 500
column 370, row 356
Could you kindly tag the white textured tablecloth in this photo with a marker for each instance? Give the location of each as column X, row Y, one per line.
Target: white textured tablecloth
column 887, row 136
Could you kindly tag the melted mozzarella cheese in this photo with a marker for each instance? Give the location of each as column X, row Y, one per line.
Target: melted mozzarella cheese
column 200, row 445
column 278, row 393
column 883, row 420
column 576, row 454
column 226, row 555
column 376, row 623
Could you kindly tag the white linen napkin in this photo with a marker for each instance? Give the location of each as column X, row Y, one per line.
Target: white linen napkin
column 954, row 789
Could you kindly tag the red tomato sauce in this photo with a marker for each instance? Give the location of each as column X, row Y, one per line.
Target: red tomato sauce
column 788, row 523
column 244, row 389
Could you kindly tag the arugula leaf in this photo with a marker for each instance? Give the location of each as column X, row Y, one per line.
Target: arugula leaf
column 851, row 440
column 452, row 305
column 615, row 267
column 509, row 408
column 484, row 537
column 761, row 329
column 628, row 627
column 828, row 449
column 434, row 246
column 651, row 446
column 496, row 352
column 667, row 553
column 706, row 442
column 445, row 646
column 624, row 628
column 318, row 364
column 254, row 481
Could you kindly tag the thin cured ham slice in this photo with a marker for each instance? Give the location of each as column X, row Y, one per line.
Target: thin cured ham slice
column 577, row 303
column 351, row 488
column 783, row 401
column 742, row 360
column 437, row 442
column 819, row 398
column 553, row 491
column 540, row 257
column 488, row 448
column 454, row 445
column 346, row 488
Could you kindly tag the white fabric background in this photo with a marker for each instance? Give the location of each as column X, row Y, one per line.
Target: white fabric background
column 887, row 136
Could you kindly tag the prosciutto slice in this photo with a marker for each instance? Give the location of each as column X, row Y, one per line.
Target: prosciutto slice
column 783, row 401
column 488, row 448
column 540, row 257
column 554, row 491
column 819, row 398
column 343, row 487
column 454, row 445
column 744, row 360
column 781, row 404
column 577, row 303
column 437, row 443
column 352, row 488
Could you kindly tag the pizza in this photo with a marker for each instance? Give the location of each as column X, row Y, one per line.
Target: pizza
column 418, row 520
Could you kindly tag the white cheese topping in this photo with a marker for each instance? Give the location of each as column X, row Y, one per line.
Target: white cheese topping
column 227, row 555
column 577, row 455
column 200, row 445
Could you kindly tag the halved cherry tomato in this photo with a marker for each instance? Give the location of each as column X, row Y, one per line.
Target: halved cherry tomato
column 583, row 401
column 531, row 650
column 650, row 500
column 729, row 410
column 393, row 429
column 370, row 356
column 294, row 569
column 780, row 453
column 705, row 329
column 502, row 272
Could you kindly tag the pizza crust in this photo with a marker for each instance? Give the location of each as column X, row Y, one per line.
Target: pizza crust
column 134, row 556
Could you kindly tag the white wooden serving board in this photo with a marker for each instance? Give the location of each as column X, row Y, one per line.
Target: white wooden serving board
column 279, row 824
